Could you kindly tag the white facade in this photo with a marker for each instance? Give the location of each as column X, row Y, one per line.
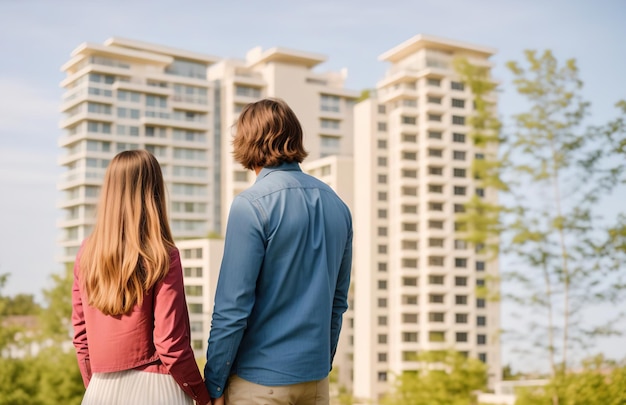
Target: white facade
column 415, row 278
column 127, row 95
column 201, row 259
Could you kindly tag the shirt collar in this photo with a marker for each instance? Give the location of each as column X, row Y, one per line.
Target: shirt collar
column 285, row 167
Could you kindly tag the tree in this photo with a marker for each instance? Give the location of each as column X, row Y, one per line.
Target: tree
column 599, row 382
column 56, row 315
column 443, row 378
column 554, row 172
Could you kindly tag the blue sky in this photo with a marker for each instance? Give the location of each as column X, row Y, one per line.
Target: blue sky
column 37, row 37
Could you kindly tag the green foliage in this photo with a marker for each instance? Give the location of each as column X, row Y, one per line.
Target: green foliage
column 52, row 377
column 554, row 171
column 365, row 94
column 443, row 378
column 600, row 382
column 20, row 304
column 56, row 316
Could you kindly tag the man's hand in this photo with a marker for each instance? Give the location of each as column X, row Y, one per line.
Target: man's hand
column 218, row 401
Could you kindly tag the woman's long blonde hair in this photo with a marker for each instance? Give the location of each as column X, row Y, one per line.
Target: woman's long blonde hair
column 129, row 249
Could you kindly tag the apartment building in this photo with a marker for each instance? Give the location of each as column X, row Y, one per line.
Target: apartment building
column 415, row 276
column 125, row 95
column 320, row 101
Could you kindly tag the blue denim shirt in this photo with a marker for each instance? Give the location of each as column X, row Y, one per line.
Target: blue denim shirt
column 283, row 283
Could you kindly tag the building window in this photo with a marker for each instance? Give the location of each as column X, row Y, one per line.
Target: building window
column 409, row 300
column 382, row 179
column 382, row 144
column 409, row 138
column 409, row 336
column 458, row 155
column 409, row 226
column 409, row 173
column 382, row 126
column 435, row 188
column 457, row 86
column 382, row 161
column 436, row 317
column 193, row 290
column 460, row 226
column 381, row 109
column 479, row 156
column 382, row 266
column 329, row 103
column 435, row 206
column 460, row 263
column 434, row 100
column 481, row 339
column 460, row 281
column 382, row 357
column 480, row 282
column 458, row 138
column 458, row 120
column 409, row 263
column 459, row 208
column 409, row 281
column 435, row 152
column 435, row 242
column 460, row 318
column 409, row 155
column 480, row 192
column 409, row 318
column 436, row 336
column 382, row 303
column 382, row 249
column 480, row 266
column 436, row 280
column 461, row 336
column 435, row 135
column 435, row 261
column 382, row 339
column 434, row 117
column 436, row 298
column 195, row 308
column 432, row 224
column 480, row 303
column 329, row 124
column 382, row 231
column 433, row 82
column 193, row 271
column 382, row 213
column 460, row 190
column 409, row 245
column 460, row 244
column 435, row 170
column 482, row 357
column 481, row 320
column 458, row 103
column 456, row 172
column 330, row 142
column 382, row 321
column 460, row 299
column 409, row 191
column 382, row 284
column 409, row 209
column 382, row 196
column 408, row 120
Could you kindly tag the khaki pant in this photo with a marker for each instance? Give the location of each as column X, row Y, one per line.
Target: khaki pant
column 242, row 392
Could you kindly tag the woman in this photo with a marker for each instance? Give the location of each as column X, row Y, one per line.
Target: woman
column 131, row 326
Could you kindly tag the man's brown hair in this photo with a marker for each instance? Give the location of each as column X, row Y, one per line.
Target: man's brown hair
column 268, row 133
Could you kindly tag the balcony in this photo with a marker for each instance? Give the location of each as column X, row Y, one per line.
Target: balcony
column 397, row 92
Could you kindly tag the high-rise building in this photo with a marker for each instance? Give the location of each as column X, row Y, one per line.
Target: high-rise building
column 181, row 106
column 127, row 95
column 415, row 276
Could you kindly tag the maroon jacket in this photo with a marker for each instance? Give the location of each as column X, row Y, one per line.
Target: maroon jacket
column 153, row 337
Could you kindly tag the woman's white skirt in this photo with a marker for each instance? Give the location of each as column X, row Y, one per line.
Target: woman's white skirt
column 132, row 387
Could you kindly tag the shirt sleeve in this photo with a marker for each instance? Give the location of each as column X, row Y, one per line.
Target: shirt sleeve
column 244, row 251
column 80, row 329
column 340, row 301
column 172, row 335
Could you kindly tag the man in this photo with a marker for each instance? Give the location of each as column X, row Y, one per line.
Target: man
column 285, row 273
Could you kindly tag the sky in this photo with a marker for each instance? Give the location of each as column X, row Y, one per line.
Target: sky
column 37, row 37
